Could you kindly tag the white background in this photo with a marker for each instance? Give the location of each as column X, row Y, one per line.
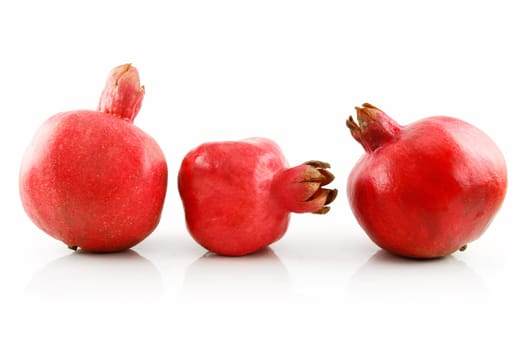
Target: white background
column 291, row 71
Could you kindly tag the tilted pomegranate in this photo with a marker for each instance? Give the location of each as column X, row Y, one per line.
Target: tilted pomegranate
column 238, row 196
column 426, row 189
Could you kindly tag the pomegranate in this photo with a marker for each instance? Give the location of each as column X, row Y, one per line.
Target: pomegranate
column 426, row 189
column 91, row 178
column 237, row 196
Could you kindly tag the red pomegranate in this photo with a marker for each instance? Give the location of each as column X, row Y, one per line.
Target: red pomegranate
column 238, row 196
column 426, row 189
column 91, row 178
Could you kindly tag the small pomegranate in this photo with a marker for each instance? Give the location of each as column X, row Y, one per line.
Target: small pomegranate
column 426, row 189
column 91, row 178
column 238, row 196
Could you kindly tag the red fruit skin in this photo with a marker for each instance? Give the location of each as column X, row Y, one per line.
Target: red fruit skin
column 426, row 189
column 94, row 180
column 238, row 196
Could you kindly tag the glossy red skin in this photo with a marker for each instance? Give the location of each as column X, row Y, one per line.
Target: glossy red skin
column 236, row 195
column 94, row 180
column 430, row 190
column 230, row 206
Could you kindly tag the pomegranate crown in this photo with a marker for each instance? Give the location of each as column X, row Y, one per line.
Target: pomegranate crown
column 374, row 127
column 300, row 189
column 122, row 96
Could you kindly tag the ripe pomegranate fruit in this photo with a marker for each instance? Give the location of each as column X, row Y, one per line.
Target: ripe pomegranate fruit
column 426, row 189
column 238, row 196
column 91, row 178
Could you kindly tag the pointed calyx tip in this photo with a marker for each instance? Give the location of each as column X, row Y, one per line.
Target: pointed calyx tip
column 300, row 189
column 318, row 173
column 123, row 94
column 373, row 127
column 331, row 194
column 365, row 113
column 315, row 177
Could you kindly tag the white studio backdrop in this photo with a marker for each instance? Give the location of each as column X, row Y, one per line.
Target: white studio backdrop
column 291, row 71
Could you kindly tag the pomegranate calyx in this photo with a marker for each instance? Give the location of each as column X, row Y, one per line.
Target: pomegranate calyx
column 122, row 96
column 355, row 130
column 374, row 127
column 323, row 195
column 317, row 172
column 300, row 189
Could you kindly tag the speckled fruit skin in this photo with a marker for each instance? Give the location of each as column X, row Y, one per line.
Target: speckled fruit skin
column 238, row 195
column 91, row 178
column 426, row 189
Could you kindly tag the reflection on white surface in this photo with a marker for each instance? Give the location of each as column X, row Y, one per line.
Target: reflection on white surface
column 248, row 277
column 409, row 280
column 124, row 275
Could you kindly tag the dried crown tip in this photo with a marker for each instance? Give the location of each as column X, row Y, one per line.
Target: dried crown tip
column 127, row 72
column 369, row 105
column 318, row 164
column 321, row 177
column 329, row 196
column 322, row 211
column 332, row 194
column 351, row 124
column 373, row 128
column 366, row 114
column 316, row 172
column 367, row 108
column 122, row 96
column 119, row 71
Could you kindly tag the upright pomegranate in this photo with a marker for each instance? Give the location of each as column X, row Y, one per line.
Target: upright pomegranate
column 426, row 189
column 238, row 196
column 91, row 178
